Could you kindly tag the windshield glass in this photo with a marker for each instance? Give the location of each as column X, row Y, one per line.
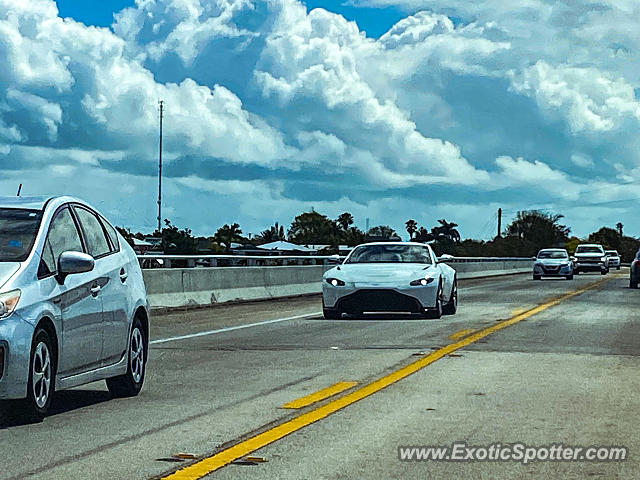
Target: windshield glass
column 552, row 254
column 588, row 250
column 611, row 253
column 390, row 254
column 18, row 229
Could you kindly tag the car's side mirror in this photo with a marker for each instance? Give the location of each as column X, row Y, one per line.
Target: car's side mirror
column 334, row 259
column 74, row 262
column 445, row 257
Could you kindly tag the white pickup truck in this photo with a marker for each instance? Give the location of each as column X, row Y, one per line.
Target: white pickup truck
column 590, row 257
column 614, row 259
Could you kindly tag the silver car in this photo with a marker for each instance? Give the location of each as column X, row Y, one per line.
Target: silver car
column 390, row 277
column 614, row 258
column 553, row 262
column 73, row 306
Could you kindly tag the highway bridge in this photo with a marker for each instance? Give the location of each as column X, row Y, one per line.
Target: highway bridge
column 271, row 390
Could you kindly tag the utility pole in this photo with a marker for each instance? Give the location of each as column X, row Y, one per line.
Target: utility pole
column 19, row 190
column 499, row 223
column 160, row 171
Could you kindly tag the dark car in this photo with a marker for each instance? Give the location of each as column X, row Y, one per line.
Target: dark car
column 634, row 276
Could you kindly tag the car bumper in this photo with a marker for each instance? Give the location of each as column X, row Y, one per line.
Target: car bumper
column 614, row 263
column 552, row 272
column 590, row 267
column 360, row 298
column 15, row 342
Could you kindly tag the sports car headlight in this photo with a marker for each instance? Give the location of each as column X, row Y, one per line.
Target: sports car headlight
column 421, row 282
column 8, row 302
column 336, row 282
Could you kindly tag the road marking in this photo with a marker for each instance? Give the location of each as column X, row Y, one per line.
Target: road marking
column 231, row 329
column 461, row 333
column 210, row 464
column 517, row 311
column 319, row 395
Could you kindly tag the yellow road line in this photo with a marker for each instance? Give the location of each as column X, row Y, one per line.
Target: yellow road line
column 210, row 464
column 319, row 395
column 461, row 333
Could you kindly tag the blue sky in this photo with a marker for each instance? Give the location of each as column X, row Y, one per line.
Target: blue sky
column 388, row 109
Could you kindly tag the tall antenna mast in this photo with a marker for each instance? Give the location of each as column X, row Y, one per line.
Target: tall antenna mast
column 160, row 171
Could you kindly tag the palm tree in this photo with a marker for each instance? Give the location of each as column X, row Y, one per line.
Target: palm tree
column 447, row 230
column 412, row 227
column 345, row 220
column 228, row 234
column 619, row 228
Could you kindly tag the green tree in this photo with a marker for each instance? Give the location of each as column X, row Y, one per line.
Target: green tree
column 446, row 231
column 412, row 227
column 313, row 228
column 539, row 229
column 272, row 234
column 176, row 241
column 607, row 237
column 382, row 232
column 228, row 234
column 345, row 220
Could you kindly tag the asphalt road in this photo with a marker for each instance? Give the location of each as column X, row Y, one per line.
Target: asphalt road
column 564, row 373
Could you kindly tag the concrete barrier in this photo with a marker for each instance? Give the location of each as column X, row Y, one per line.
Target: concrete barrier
column 180, row 287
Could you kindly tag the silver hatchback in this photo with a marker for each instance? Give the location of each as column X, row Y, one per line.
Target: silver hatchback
column 73, row 305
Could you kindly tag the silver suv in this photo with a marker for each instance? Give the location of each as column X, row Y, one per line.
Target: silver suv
column 73, row 306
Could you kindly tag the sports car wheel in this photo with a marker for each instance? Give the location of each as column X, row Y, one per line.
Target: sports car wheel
column 452, row 306
column 436, row 312
column 331, row 314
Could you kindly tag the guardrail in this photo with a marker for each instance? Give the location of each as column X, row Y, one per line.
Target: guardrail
column 204, row 261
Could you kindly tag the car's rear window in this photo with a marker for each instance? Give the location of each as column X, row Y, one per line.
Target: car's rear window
column 18, row 230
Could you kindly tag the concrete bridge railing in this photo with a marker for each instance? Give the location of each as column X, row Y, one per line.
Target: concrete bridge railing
column 180, row 287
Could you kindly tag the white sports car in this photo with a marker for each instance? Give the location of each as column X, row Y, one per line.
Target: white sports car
column 390, row 277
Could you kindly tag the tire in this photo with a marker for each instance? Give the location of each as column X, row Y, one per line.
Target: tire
column 633, row 283
column 537, row 277
column 618, row 267
column 570, row 277
column 42, row 376
column 452, row 305
column 604, row 272
column 436, row 312
column 331, row 314
column 130, row 384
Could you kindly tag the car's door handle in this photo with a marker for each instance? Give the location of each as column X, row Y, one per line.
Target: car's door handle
column 95, row 290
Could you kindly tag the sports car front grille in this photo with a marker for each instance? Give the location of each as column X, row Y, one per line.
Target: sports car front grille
column 379, row 301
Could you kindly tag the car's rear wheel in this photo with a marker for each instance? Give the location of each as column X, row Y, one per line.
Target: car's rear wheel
column 604, row 272
column 452, row 306
column 42, row 376
column 570, row 277
column 633, row 283
column 437, row 310
column 537, row 277
column 331, row 313
column 130, row 384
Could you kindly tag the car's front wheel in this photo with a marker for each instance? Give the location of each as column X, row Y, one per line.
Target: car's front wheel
column 331, row 314
column 42, row 376
column 437, row 310
column 130, row 384
column 452, row 306
column 536, row 277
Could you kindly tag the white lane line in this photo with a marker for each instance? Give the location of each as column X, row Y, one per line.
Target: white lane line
column 230, row 329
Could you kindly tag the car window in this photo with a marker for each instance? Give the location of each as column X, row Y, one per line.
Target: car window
column 113, row 235
column 97, row 243
column 18, row 230
column 63, row 237
column 588, row 250
column 552, row 254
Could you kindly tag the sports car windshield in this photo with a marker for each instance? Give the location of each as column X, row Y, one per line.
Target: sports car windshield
column 390, row 254
column 551, row 254
column 18, row 229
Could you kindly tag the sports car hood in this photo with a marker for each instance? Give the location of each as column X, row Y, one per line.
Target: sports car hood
column 381, row 272
column 7, row 269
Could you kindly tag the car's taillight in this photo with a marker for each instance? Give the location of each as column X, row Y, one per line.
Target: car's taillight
column 635, row 263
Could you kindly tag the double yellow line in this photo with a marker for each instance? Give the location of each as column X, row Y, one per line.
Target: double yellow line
column 210, row 464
